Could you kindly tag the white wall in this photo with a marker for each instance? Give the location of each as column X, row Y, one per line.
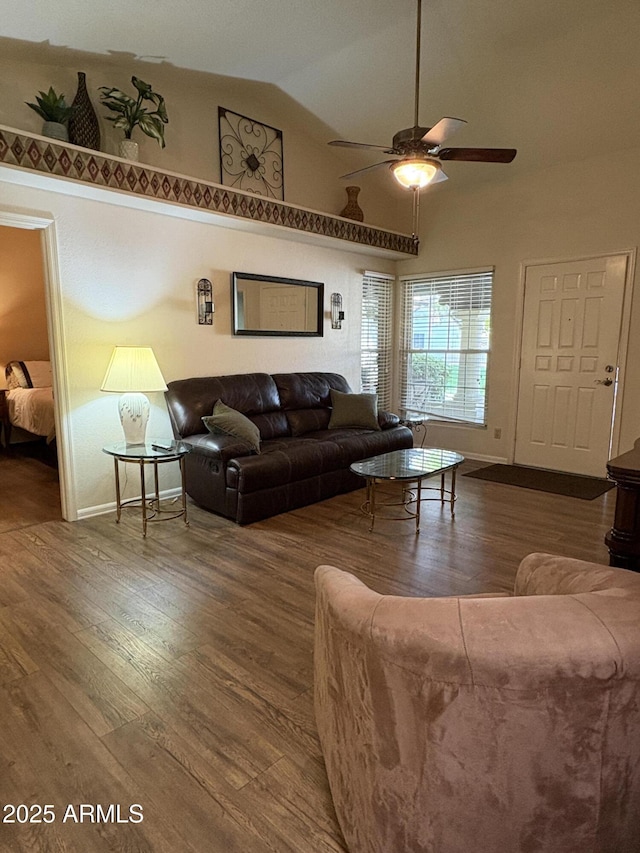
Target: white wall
column 128, row 276
column 311, row 167
column 570, row 211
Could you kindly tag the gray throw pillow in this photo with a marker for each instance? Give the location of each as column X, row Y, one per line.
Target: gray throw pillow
column 359, row 411
column 228, row 421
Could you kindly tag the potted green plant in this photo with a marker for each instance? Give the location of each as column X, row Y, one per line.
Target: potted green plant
column 132, row 113
column 56, row 114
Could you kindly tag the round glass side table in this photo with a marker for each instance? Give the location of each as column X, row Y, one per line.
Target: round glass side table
column 154, row 454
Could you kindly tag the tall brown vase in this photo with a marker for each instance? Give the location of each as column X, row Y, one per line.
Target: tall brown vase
column 83, row 125
column 353, row 209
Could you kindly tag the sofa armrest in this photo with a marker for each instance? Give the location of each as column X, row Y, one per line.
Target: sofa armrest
column 222, row 447
column 386, row 420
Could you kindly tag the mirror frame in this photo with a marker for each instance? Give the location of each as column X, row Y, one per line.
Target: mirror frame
column 317, row 332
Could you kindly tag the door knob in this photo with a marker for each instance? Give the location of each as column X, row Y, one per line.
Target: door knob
column 606, row 381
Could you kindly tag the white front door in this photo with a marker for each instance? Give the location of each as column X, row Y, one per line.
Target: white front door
column 568, row 367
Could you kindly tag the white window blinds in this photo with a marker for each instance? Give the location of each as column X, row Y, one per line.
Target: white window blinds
column 446, row 322
column 376, row 335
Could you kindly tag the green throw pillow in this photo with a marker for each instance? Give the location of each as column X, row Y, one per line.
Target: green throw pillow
column 359, row 411
column 227, row 421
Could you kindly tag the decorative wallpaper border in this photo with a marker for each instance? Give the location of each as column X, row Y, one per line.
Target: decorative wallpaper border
column 98, row 169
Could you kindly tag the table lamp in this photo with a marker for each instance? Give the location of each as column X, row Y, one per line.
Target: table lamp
column 133, row 371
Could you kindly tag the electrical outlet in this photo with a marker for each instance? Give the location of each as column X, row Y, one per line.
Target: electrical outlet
column 497, row 433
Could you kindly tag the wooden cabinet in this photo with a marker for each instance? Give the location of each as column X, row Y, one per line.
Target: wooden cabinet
column 623, row 540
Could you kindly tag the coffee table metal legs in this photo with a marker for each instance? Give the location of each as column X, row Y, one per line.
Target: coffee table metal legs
column 409, row 496
column 369, row 506
column 371, row 501
column 453, row 490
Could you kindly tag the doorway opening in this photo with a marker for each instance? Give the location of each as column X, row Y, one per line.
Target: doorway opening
column 30, row 490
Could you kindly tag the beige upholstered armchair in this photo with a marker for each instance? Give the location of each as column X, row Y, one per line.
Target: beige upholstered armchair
column 491, row 724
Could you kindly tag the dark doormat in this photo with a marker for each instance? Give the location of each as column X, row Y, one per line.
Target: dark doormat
column 556, row 482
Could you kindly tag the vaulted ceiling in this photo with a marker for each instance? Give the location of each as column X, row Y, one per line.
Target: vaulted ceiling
column 556, row 79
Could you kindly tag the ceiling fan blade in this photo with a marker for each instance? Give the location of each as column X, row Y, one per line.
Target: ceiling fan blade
column 442, row 130
column 343, row 144
column 478, row 155
column 367, row 169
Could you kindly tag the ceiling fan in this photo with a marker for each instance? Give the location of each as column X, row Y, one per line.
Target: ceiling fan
column 418, row 150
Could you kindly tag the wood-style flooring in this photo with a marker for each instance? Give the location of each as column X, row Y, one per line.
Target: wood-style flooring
column 29, row 488
column 175, row 673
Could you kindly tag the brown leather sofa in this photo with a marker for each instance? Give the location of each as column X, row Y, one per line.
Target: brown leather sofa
column 301, row 460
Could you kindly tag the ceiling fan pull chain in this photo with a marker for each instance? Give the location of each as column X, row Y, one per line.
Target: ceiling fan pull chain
column 417, row 98
column 416, row 213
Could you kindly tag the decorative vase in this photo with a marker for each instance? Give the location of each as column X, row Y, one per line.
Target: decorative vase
column 128, row 150
column 55, row 130
column 83, row 124
column 353, row 209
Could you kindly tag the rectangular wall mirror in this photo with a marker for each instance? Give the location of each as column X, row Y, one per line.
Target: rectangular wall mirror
column 268, row 305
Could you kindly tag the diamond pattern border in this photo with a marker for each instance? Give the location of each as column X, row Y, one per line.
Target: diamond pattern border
column 91, row 167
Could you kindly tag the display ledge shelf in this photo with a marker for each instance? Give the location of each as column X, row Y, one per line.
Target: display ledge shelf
column 95, row 168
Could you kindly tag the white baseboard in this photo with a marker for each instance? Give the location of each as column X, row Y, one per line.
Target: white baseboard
column 104, row 509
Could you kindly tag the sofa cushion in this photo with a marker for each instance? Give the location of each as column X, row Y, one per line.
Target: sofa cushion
column 253, row 394
column 353, row 410
column 282, row 462
column 302, row 421
column 288, row 460
column 271, row 424
column 228, row 421
column 357, row 444
column 308, row 390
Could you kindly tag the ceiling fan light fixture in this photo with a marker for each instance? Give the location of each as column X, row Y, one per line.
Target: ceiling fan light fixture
column 415, row 173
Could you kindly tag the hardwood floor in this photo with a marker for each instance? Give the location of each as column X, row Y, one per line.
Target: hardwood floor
column 29, row 488
column 176, row 672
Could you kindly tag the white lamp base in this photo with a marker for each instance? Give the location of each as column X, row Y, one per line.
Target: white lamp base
column 134, row 415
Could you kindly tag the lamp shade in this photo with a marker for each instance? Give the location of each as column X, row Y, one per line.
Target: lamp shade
column 416, row 173
column 133, row 369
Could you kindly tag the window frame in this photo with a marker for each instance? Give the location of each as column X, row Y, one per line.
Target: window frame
column 474, row 285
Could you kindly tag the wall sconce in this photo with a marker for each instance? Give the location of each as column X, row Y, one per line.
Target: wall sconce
column 337, row 314
column 204, row 292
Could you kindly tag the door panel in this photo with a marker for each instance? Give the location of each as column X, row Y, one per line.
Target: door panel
column 570, row 338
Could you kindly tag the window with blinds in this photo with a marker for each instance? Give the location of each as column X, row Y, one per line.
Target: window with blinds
column 445, row 329
column 376, row 336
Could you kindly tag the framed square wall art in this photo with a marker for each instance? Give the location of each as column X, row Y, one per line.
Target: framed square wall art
column 250, row 155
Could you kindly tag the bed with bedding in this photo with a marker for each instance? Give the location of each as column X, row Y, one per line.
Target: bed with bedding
column 30, row 398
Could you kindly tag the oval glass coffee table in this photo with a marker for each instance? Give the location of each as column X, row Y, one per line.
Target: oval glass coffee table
column 410, row 467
